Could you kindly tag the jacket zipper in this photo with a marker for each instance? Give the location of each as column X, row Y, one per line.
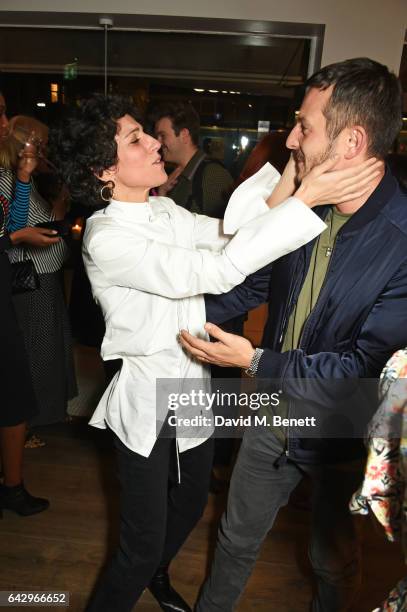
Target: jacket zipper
column 286, row 314
column 283, row 329
column 305, row 326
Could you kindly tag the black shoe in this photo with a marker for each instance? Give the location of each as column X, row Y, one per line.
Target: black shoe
column 168, row 599
column 20, row 501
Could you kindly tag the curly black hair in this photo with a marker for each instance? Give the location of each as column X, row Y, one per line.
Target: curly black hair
column 84, row 145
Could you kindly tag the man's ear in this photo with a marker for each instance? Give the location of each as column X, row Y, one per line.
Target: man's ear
column 355, row 141
column 185, row 136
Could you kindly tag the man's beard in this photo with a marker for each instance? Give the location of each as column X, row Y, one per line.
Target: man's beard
column 304, row 165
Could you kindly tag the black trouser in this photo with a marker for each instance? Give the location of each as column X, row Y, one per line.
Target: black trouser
column 157, row 515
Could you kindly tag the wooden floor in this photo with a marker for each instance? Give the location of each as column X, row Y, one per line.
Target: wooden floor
column 65, row 547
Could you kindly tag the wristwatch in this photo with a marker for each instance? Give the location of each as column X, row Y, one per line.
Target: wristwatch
column 254, row 364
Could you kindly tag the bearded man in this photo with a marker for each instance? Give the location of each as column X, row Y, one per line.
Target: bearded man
column 337, row 311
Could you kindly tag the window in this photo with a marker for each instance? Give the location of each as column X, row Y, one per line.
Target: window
column 54, row 92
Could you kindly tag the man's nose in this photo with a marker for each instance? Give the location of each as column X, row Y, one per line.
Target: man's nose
column 292, row 141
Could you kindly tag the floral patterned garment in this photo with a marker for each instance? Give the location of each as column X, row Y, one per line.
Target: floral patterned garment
column 384, row 489
column 396, row 600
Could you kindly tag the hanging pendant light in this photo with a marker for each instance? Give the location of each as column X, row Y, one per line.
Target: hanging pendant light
column 106, row 23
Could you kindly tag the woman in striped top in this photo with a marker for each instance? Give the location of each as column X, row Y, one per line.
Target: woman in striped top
column 42, row 313
column 17, row 399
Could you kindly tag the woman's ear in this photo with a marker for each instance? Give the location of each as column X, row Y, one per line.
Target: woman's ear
column 107, row 175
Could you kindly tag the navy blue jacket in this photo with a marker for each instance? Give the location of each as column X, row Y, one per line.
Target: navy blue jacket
column 359, row 320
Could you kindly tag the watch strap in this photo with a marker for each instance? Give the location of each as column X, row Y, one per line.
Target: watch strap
column 254, row 364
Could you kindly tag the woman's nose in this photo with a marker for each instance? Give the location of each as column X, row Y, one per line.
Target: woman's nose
column 153, row 143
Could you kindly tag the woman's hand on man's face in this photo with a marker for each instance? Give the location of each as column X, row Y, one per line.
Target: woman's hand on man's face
column 325, row 185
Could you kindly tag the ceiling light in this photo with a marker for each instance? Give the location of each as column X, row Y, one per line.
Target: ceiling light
column 244, row 141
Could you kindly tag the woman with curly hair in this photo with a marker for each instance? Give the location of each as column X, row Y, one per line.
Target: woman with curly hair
column 149, row 262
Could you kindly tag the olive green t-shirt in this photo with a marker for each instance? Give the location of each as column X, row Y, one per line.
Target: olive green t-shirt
column 320, row 258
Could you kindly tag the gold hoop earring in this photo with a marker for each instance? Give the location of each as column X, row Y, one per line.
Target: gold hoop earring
column 106, row 192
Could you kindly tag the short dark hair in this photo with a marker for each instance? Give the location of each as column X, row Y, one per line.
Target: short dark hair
column 182, row 115
column 364, row 93
column 84, row 145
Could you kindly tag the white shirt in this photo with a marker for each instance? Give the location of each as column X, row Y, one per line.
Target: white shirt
column 149, row 264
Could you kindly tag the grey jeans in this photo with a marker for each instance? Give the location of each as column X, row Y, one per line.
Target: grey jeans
column 260, row 486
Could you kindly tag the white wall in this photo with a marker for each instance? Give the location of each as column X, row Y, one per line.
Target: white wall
column 373, row 28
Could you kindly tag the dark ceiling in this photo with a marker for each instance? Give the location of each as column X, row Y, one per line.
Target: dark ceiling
column 256, row 63
column 257, row 57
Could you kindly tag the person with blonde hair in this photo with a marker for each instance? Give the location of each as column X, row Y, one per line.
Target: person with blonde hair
column 42, row 313
column 17, row 398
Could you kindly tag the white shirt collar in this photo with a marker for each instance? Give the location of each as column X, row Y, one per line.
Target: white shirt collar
column 137, row 211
